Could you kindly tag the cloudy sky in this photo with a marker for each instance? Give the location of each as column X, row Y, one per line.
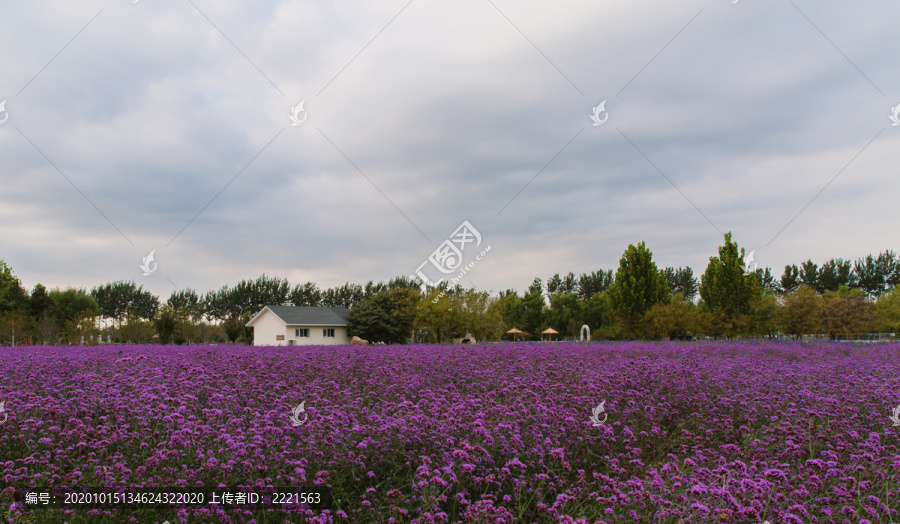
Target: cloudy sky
column 165, row 125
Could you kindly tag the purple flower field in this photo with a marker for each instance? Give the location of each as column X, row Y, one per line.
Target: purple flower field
column 498, row 433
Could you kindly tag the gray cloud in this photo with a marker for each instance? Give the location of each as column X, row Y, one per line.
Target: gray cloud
column 450, row 111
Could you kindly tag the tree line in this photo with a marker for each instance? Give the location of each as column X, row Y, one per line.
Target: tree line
column 637, row 300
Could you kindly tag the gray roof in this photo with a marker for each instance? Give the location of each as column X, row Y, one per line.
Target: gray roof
column 308, row 315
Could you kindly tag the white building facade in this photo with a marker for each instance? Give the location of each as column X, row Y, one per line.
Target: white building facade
column 300, row 326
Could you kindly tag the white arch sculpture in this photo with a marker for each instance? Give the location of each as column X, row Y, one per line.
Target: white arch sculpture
column 583, row 329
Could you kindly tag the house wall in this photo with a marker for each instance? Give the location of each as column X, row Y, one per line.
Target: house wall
column 266, row 327
column 315, row 336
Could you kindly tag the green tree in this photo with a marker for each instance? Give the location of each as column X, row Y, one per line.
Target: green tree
column 166, row 323
column 477, row 316
column 511, row 308
column 15, row 328
column 534, row 312
column 406, row 300
column 43, row 310
column 767, row 279
column 589, row 284
column 681, row 280
column 875, row 275
column 566, row 313
column 638, row 286
column 250, row 296
column 765, row 313
column 386, row 316
column 658, row 321
column 70, row 303
column 112, row 299
column 220, row 305
column 890, row 268
column 704, row 321
column 234, row 328
column 13, row 297
column 145, row 304
column 493, row 327
column 82, row 327
column 186, row 300
column 598, row 312
column 40, row 303
column 809, row 275
column 347, row 295
column 372, row 287
column 846, row 311
column 234, row 306
column 835, row 273
column 684, row 314
column 553, row 285
column 307, row 294
column 790, row 279
column 436, row 318
column 186, row 311
column 136, row 330
column 800, row 314
column 403, row 282
column 557, row 284
column 118, row 299
column 888, row 307
column 727, row 290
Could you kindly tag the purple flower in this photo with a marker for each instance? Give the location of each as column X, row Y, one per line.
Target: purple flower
column 712, row 431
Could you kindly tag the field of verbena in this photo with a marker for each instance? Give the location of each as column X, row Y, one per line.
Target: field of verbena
column 696, row 432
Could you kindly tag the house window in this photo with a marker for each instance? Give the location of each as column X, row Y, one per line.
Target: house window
column 329, row 332
column 279, row 337
column 302, row 332
column 291, row 342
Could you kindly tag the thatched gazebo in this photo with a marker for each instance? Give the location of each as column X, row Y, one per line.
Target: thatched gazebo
column 515, row 332
column 549, row 331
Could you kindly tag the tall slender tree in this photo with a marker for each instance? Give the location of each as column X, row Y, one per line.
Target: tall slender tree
column 835, row 273
column 638, row 286
column 790, row 279
column 595, row 282
column 875, row 275
column 13, row 296
column 186, row 300
column 726, row 288
column 767, row 279
column 681, row 280
column 119, row 299
column 307, row 294
column 534, row 309
column 809, row 275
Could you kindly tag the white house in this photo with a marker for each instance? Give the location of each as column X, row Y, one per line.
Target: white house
column 296, row 325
